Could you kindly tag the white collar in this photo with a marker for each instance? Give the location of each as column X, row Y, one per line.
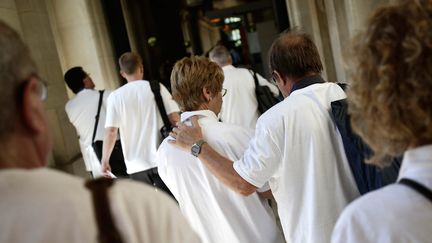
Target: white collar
column 228, row 67
column 185, row 116
column 417, row 163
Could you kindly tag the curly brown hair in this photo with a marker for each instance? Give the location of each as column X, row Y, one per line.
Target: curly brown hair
column 390, row 98
column 188, row 78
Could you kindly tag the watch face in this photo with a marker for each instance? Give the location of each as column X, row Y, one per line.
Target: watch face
column 195, row 150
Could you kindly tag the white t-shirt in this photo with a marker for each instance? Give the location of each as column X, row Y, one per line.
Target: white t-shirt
column 81, row 111
column 43, row 205
column 395, row 213
column 240, row 105
column 217, row 213
column 298, row 149
column 132, row 108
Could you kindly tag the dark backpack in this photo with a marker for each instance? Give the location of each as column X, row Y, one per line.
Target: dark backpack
column 368, row 177
column 264, row 95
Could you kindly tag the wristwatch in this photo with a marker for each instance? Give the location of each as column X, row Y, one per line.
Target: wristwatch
column 196, row 147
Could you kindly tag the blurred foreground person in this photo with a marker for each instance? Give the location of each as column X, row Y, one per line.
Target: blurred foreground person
column 217, row 213
column 42, row 205
column 390, row 101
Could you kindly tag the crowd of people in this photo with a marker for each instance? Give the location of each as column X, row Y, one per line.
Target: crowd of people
column 223, row 160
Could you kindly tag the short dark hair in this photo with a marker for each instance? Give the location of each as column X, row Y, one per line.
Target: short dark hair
column 293, row 54
column 129, row 62
column 74, row 78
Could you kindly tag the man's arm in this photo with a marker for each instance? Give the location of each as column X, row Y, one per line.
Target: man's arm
column 110, row 137
column 221, row 167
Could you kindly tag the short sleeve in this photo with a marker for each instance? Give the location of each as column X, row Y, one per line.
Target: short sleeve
column 261, row 159
column 169, row 103
column 112, row 115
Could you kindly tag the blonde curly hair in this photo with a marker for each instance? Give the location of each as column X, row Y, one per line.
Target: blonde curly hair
column 390, row 98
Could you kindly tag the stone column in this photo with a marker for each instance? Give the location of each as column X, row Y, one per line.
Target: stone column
column 82, row 39
column 310, row 16
column 332, row 24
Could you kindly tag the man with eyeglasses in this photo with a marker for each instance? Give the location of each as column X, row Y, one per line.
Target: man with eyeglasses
column 81, row 111
column 296, row 147
column 42, row 205
column 240, row 105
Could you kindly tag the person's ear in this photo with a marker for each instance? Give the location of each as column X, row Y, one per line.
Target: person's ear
column 278, row 77
column 32, row 109
column 207, row 94
column 123, row 74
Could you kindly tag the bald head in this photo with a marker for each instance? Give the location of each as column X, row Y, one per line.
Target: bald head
column 293, row 54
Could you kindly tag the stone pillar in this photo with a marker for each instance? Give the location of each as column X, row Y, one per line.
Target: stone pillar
column 359, row 11
column 332, row 24
column 9, row 14
column 82, row 39
column 310, row 16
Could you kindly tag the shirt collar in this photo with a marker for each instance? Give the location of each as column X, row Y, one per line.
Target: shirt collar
column 307, row 81
column 200, row 113
column 228, row 67
column 417, row 163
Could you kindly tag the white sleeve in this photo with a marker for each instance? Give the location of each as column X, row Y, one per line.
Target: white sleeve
column 112, row 115
column 261, row 159
column 169, row 103
column 350, row 228
column 265, row 82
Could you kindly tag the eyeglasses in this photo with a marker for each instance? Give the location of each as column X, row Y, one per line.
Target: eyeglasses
column 223, row 91
column 42, row 89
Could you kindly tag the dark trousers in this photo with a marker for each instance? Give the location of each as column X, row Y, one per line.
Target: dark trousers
column 151, row 177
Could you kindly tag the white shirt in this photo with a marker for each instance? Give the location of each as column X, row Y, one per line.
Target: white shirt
column 81, row 111
column 215, row 212
column 240, row 105
column 395, row 213
column 43, row 205
column 298, row 149
column 132, row 108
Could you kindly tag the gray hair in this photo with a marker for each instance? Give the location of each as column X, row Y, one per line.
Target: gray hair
column 220, row 55
column 16, row 66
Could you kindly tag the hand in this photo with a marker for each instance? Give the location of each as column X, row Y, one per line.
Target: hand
column 185, row 136
column 106, row 169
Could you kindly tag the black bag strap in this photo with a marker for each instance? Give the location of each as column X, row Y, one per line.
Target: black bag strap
column 417, row 187
column 97, row 114
column 107, row 231
column 255, row 77
column 155, row 87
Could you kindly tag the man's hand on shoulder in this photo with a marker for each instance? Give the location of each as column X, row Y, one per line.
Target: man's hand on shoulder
column 185, row 136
